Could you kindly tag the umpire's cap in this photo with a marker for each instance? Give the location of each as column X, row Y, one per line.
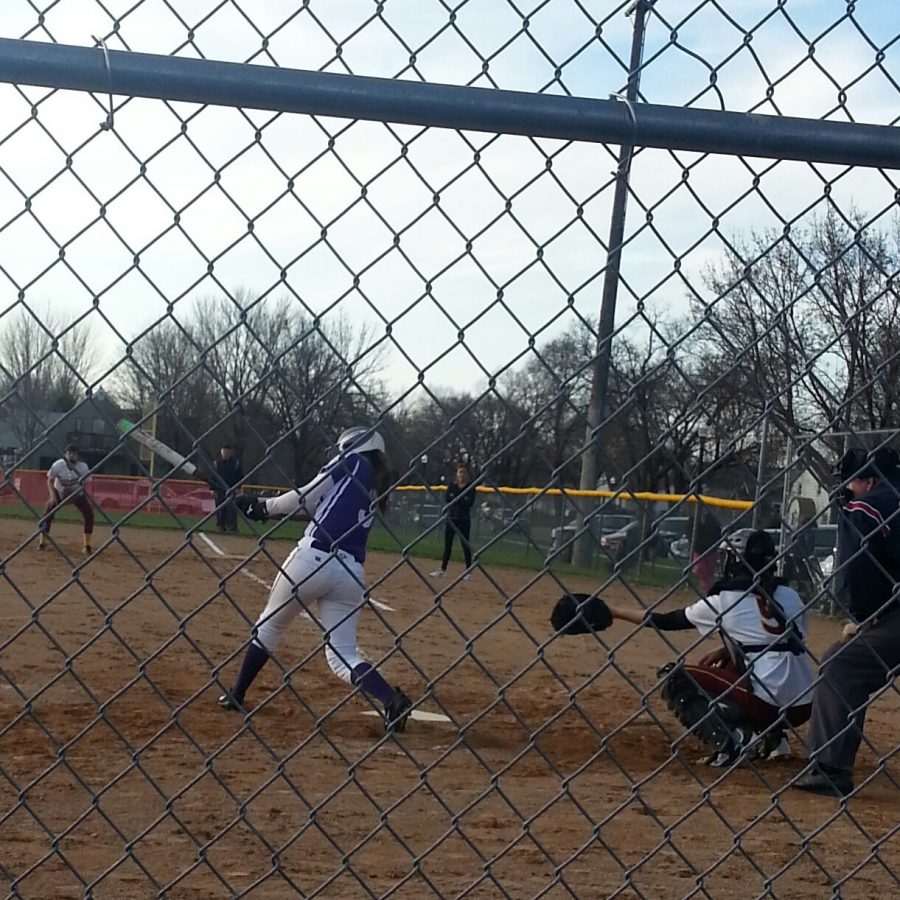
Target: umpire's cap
column 70, row 448
column 860, row 463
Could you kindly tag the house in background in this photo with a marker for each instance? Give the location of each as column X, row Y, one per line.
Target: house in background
column 36, row 439
column 9, row 445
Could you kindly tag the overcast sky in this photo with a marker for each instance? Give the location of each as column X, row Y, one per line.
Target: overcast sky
column 760, row 46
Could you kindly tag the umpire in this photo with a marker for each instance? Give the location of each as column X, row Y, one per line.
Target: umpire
column 458, row 504
column 230, row 473
column 866, row 660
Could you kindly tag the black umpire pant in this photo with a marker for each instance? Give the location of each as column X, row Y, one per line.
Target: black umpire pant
column 226, row 512
column 452, row 528
column 852, row 670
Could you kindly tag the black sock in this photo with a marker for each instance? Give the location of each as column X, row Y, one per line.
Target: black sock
column 254, row 659
column 371, row 683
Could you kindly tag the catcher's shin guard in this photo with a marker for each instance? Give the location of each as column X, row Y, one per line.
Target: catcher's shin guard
column 718, row 723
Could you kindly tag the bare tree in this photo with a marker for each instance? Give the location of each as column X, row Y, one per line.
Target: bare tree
column 755, row 328
column 553, row 387
column 321, row 378
column 257, row 374
column 854, row 382
column 45, row 366
column 165, row 375
column 807, row 325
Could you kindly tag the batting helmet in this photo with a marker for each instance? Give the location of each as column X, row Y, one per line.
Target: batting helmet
column 860, row 463
column 360, row 439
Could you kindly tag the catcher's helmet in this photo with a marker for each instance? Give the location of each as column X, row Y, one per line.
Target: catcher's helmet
column 746, row 552
column 360, row 439
column 860, row 463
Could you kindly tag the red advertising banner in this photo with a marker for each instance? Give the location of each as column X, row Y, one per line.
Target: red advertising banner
column 115, row 493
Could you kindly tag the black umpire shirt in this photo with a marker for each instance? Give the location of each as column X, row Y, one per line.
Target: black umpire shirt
column 459, row 501
column 230, row 472
column 871, row 525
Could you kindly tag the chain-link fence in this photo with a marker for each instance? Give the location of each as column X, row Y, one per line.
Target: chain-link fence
column 614, row 283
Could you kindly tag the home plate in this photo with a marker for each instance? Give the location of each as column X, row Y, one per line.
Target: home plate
column 377, row 603
column 420, row 715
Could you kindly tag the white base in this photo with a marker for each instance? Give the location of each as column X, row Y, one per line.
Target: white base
column 420, row 715
column 379, row 604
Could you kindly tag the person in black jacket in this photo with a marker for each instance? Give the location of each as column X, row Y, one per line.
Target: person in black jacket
column 458, row 510
column 229, row 473
column 866, row 660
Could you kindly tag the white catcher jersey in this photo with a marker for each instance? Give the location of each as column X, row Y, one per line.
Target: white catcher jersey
column 66, row 477
column 779, row 677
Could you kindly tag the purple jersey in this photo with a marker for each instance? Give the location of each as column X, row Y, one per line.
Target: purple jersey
column 344, row 515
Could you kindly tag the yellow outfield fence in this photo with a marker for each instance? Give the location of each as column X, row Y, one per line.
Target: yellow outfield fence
column 22, row 478
column 638, row 497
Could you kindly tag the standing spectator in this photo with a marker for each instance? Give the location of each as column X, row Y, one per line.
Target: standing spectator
column 866, row 659
column 704, row 533
column 66, row 480
column 458, row 509
column 230, row 473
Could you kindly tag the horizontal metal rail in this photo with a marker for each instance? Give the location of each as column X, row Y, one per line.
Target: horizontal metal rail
column 446, row 106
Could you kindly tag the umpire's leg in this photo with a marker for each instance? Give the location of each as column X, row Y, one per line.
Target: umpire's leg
column 465, row 527
column 220, row 509
column 449, row 532
column 851, row 672
column 229, row 513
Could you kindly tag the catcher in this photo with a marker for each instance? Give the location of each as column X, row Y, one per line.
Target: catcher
column 740, row 695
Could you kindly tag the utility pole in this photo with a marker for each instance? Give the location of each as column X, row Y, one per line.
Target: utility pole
column 761, row 471
column 600, row 374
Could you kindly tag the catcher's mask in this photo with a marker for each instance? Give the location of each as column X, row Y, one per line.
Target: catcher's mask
column 360, row 439
column 860, row 463
column 747, row 552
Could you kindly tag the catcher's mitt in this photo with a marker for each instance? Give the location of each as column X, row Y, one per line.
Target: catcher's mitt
column 252, row 506
column 580, row 614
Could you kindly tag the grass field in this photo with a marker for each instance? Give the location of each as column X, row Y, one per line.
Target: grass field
column 398, row 538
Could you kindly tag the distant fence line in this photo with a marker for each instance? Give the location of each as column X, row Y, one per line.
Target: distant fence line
column 123, row 493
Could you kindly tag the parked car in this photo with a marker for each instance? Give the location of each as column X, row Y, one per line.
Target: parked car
column 618, row 544
column 680, row 549
column 826, row 550
column 826, row 541
column 600, row 525
column 666, row 531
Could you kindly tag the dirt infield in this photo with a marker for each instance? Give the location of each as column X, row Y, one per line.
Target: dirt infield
column 120, row 773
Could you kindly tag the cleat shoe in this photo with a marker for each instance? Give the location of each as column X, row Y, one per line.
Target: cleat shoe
column 825, row 780
column 467, row 576
column 42, row 548
column 438, row 573
column 775, row 747
column 396, row 712
column 87, row 550
column 721, row 759
column 231, row 703
column 735, row 748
